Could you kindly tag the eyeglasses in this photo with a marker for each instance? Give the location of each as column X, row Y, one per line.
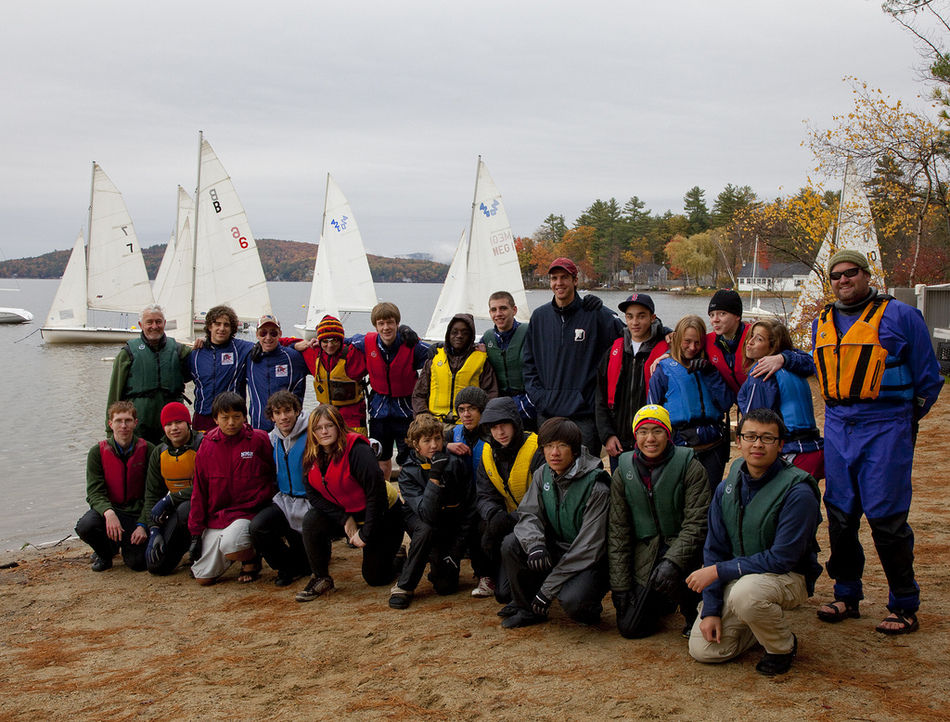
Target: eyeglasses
column 274, row 333
column 767, row 439
column 645, row 431
column 848, row 273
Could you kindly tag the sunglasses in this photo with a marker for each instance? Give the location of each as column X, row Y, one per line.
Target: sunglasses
column 850, row 273
column 269, row 332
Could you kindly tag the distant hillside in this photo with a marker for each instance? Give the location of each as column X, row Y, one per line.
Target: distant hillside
column 282, row 261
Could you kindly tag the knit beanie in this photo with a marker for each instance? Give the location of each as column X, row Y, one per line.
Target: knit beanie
column 850, row 256
column 653, row 414
column 175, row 411
column 473, row 396
column 329, row 327
column 728, row 301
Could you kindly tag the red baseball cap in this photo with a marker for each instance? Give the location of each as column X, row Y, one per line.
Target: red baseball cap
column 566, row 263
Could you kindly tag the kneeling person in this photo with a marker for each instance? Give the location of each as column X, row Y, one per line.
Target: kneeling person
column 234, row 480
column 557, row 549
column 659, row 497
column 171, row 468
column 760, row 554
column 115, row 490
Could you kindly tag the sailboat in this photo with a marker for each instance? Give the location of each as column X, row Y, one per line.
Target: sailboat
column 342, row 281
column 107, row 273
column 854, row 230
column 484, row 262
column 755, row 310
column 173, row 284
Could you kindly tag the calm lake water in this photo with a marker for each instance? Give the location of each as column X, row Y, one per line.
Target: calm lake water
column 54, row 396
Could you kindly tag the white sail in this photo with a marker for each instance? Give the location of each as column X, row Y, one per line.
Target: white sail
column 341, row 276
column 485, row 263
column 855, row 231
column 184, row 214
column 116, row 278
column 69, row 303
column 176, row 293
column 228, row 264
column 162, row 276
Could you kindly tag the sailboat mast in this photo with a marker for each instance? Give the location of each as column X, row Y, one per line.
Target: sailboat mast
column 194, row 241
column 841, row 202
column 755, row 262
column 471, row 222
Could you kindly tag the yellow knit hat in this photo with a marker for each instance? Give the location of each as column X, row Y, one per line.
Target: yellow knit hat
column 653, row 414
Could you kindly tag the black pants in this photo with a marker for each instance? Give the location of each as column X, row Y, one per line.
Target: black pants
column 91, row 528
column 641, row 617
column 319, row 531
column 177, row 540
column 440, row 546
column 894, row 542
column 580, row 596
column 491, row 547
column 281, row 546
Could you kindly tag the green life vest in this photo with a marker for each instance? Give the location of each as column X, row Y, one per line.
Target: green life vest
column 507, row 362
column 752, row 528
column 153, row 371
column 565, row 513
column 664, row 506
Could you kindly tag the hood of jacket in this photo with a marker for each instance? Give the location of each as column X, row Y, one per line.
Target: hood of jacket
column 296, row 434
column 469, row 321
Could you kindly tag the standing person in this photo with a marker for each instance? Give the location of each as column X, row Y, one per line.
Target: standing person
column 725, row 341
column 149, row 371
column 761, row 554
column 508, row 462
column 234, row 480
column 659, row 497
column 565, row 342
column 115, row 491
column 624, row 373
column 439, row 512
column 339, row 372
column 878, row 374
column 220, row 365
column 451, row 368
column 558, row 547
column 270, row 368
column 276, row 530
column 787, row 392
column 394, row 356
column 171, row 469
column 687, row 385
column 349, row 497
column 504, row 344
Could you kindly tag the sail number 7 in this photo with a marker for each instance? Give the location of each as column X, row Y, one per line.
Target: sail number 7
column 242, row 241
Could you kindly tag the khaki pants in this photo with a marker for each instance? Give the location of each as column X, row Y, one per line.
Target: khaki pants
column 752, row 612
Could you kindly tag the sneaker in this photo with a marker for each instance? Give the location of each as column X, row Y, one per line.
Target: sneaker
column 315, row 587
column 485, row 588
column 399, row 598
column 773, row 664
column 100, row 564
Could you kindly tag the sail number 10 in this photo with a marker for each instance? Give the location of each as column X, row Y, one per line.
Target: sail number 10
column 242, row 241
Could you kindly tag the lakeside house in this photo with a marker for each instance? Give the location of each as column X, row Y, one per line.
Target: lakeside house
column 778, row 277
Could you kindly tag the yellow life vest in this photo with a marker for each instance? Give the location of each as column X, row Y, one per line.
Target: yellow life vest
column 178, row 471
column 514, row 487
column 444, row 385
column 851, row 368
column 335, row 387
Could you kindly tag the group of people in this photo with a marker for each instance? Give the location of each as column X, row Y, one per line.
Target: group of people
column 498, row 441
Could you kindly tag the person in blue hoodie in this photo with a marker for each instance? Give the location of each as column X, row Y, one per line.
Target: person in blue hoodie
column 276, row 530
column 270, row 368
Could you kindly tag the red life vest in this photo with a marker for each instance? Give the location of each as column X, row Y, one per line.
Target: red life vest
column 615, row 362
column 396, row 378
column 125, row 480
column 734, row 377
column 338, row 485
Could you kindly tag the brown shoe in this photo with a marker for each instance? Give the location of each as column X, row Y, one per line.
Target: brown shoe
column 316, row 587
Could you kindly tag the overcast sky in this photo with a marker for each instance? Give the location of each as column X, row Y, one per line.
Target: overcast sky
column 566, row 102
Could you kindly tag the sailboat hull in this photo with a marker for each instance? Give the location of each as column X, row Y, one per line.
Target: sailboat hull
column 15, row 315
column 87, row 334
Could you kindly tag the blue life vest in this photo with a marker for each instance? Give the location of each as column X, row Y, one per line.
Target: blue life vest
column 458, row 435
column 290, row 467
column 795, row 403
column 688, row 399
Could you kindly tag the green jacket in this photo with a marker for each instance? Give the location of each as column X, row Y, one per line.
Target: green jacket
column 632, row 555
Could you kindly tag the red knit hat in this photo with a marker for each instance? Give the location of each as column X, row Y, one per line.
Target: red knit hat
column 329, row 327
column 175, row 411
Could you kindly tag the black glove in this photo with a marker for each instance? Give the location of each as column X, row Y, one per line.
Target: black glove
column 701, row 365
column 434, row 349
column 408, row 336
column 540, row 604
column 194, row 551
column 666, row 579
column 539, row 560
column 590, row 302
column 162, row 509
column 439, row 462
column 155, row 549
column 621, row 600
column 257, row 353
column 500, row 525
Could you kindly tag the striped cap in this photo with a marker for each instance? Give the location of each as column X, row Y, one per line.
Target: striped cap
column 329, row 327
column 653, row 414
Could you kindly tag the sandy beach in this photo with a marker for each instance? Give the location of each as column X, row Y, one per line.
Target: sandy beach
column 124, row 645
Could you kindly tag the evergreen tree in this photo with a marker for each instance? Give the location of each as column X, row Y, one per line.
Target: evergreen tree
column 694, row 206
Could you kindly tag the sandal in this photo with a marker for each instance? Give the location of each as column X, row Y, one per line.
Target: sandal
column 250, row 571
column 907, row 620
column 837, row 614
